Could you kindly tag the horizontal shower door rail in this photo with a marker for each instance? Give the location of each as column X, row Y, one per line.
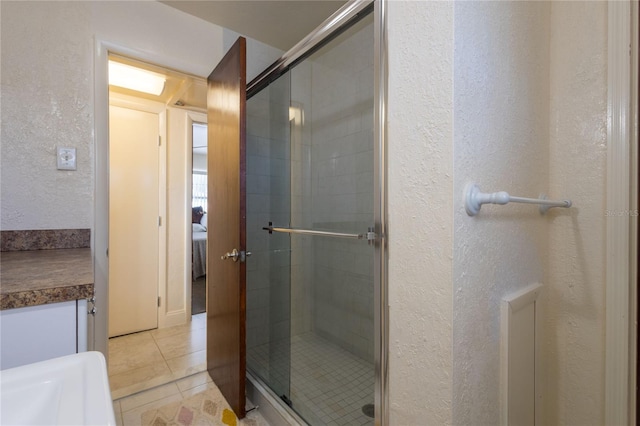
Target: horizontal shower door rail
column 369, row 235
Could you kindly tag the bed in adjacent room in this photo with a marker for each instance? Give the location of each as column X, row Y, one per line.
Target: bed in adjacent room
column 199, row 243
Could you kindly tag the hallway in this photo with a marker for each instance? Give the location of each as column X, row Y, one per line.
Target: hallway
column 144, row 360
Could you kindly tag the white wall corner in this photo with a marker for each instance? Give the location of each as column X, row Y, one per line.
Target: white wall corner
column 420, row 166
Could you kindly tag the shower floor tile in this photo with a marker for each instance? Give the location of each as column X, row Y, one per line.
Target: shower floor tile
column 329, row 385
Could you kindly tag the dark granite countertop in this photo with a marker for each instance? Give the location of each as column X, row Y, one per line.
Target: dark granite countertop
column 38, row 277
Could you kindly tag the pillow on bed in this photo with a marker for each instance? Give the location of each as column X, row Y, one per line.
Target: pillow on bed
column 196, row 214
column 203, row 221
column 198, row 228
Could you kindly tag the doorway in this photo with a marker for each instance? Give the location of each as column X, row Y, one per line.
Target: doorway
column 134, row 215
column 173, row 346
column 199, row 218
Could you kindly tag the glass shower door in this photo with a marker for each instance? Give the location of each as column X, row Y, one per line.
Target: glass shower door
column 332, row 187
column 268, row 270
column 310, row 281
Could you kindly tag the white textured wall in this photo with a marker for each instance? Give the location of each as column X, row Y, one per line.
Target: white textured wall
column 501, row 98
column 47, row 81
column 48, row 52
column 527, row 89
column 47, row 93
column 575, row 297
column 43, row 41
column 420, row 166
column 47, row 70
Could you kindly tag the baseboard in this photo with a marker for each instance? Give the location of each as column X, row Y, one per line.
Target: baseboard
column 173, row 318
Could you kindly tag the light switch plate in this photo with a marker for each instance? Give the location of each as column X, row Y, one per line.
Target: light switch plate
column 66, row 158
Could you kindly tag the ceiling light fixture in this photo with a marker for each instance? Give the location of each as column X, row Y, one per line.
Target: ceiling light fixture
column 135, row 78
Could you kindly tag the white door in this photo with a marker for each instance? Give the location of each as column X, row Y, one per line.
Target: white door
column 133, row 220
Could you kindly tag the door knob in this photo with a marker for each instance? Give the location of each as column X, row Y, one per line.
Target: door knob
column 233, row 255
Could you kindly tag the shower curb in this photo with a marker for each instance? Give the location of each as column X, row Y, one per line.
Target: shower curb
column 269, row 405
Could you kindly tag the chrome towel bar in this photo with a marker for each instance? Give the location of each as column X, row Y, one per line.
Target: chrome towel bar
column 474, row 199
column 370, row 235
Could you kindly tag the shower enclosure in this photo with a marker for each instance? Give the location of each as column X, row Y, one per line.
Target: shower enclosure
column 310, row 225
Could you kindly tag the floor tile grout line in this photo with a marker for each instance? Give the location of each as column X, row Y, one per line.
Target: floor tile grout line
column 188, row 333
column 181, row 392
column 172, row 373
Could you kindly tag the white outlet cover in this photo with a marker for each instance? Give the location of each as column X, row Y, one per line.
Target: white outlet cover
column 66, row 158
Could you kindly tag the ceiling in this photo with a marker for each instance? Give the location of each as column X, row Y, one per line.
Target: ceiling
column 199, row 140
column 277, row 23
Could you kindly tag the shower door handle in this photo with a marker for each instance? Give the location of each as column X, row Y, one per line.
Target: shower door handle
column 244, row 255
column 235, row 254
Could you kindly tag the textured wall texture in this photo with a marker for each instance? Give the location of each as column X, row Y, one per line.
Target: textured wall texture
column 47, row 93
column 575, row 297
column 420, row 165
column 46, row 72
column 46, row 102
column 501, row 99
column 527, row 85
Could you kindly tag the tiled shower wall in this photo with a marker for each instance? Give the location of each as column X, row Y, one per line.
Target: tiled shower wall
column 310, row 166
column 301, row 199
column 341, row 123
column 268, row 199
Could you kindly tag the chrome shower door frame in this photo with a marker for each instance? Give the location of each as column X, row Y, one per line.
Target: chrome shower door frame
column 326, row 32
column 381, row 300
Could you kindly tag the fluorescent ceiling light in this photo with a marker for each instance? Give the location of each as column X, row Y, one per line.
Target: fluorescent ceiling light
column 135, row 78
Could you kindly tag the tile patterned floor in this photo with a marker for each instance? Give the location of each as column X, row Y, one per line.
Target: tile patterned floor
column 145, row 360
column 193, row 400
column 329, row 386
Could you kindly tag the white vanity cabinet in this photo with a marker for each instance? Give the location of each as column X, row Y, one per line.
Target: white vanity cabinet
column 37, row 333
